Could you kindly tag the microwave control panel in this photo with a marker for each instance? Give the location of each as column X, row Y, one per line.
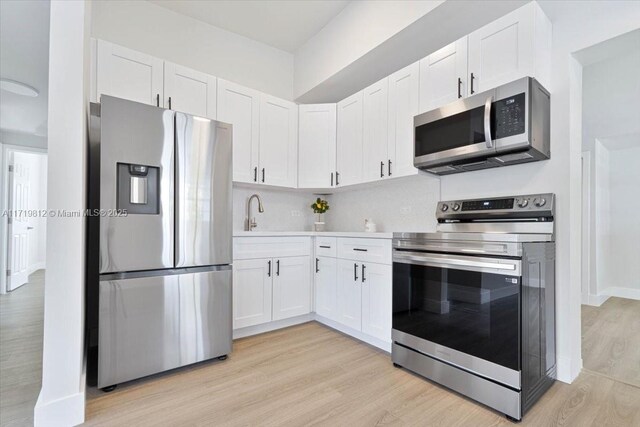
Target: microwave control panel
column 508, row 116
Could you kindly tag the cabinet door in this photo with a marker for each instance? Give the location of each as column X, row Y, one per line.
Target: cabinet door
column 403, row 105
column 189, row 91
column 251, row 292
column 349, row 140
column 291, row 287
column 278, row 158
column 326, row 287
column 240, row 106
column 502, row 51
column 128, row 74
column 376, row 301
column 349, row 294
column 443, row 76
column 317, row 145
column 375, row 155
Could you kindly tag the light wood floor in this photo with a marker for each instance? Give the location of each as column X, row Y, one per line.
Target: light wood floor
column 312, row 375
column 21, row 323
column 611, row 339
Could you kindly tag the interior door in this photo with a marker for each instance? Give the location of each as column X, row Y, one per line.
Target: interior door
column 18, row 260
column 375, row 121
column 349, row 140
column 252, row 292
column 443, row 76
column 317, row 145
column 376, row 300
column 326, row 287
column 125, row 73
column 189, row 91
column 291, row 287
column 203, row 192
column 278, row 142
column 403, row 105
column 240, row 106
column 349, row 294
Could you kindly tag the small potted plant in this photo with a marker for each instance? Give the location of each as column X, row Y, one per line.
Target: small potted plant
column 319, row 206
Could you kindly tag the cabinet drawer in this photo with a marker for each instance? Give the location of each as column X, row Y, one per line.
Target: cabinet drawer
column 367, row 250
column 326, row 246
column 270, row 247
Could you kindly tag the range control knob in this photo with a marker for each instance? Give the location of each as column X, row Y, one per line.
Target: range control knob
column 540, row 202
column 523, row 203
column 456, row 207
column 444, row 207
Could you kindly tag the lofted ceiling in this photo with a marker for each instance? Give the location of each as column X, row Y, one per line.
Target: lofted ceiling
column 283, row 24
column 24, row 57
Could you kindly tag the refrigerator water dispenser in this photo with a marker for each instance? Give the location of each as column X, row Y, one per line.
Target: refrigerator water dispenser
column 138, row 189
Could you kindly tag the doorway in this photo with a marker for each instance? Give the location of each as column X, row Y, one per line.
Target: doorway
column 611, row 201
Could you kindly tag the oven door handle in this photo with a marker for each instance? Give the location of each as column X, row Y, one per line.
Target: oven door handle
column 510, row 267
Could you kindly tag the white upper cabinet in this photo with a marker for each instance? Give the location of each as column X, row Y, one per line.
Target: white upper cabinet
column 291, row 287
column 128, row 74
column 443, row 76
column 375, row 155
column 189, row 91
column 349, row 140
column 316, row 145
column 240, row 106
column 278, row 152
column 403, row 105
column 511, row 47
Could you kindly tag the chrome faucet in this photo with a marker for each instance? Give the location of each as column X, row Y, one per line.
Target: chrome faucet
column 250, row 223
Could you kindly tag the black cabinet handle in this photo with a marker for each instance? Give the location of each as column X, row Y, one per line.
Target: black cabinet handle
column 157, row 100
column 389, row 167
column 169, row 103
column 325, row 247
column 360, row 250
column 277, row 267
column 337, row 176
column 269, row 271
column 332, row 179
column 363, row 278
column 355, row 272
column 262, row 174
column 255, row 174
column 317, row 268
column 472, row 78
column 460, row 87
column 381, row 169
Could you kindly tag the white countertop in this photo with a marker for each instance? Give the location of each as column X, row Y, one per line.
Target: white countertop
column 358, row 234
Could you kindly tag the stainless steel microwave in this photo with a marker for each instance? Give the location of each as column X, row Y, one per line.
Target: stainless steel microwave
column 500, row 127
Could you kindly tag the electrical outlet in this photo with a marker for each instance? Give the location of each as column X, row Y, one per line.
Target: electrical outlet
column 405, row 210
column 296, row 213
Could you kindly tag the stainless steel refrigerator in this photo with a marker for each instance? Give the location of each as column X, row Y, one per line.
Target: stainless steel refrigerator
column 159, row 240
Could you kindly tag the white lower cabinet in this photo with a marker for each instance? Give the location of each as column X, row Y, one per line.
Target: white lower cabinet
column 349, row 294
column 291, row 287
column 326, row 287
column 376, row 301
column 252, row 292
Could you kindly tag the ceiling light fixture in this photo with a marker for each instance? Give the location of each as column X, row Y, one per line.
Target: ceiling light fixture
column 18, row 88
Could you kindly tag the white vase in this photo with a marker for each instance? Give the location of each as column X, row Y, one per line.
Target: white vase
column 319, row 224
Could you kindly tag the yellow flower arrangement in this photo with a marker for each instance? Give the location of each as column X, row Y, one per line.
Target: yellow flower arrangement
column 320, row 206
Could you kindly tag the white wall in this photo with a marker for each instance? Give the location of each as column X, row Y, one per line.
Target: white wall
column 601, row 216
column 399, row 205
column 160, row 32
column 61, row 400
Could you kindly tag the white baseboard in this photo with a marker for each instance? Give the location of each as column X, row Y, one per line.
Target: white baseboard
column 35, row 267
column 272, row 326
column 567, row 371
column 68, row 411
column 383, row 345
column 596, row 300
column 622, row 293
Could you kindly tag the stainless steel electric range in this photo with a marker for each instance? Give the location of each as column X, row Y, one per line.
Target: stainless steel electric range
column 474, row 303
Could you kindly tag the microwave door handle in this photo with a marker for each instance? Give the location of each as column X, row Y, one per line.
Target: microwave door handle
column 487, row 122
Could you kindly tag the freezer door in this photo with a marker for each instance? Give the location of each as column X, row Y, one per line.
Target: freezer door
column 152, row 324
column 203, row 187
column 136, row 177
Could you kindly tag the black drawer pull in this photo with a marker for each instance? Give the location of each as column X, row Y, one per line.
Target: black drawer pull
column 317, row 268
column 360, row 250
column 325, row 247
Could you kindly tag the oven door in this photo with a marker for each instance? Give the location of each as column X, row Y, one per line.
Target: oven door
column 463, row 310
